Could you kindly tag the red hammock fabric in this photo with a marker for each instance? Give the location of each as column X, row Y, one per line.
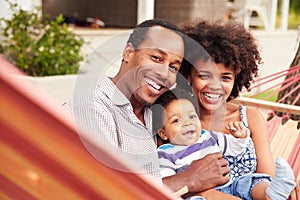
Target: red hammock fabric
column 272, row 127
column 294, row 158
column 285, row 142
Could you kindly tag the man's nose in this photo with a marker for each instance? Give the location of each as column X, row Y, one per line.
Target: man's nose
column 162, row 70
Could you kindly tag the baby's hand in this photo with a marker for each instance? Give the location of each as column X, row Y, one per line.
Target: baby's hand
column 237, row 129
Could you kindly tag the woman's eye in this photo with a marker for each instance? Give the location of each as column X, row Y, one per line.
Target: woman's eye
column 226, row 78
column 203, row 76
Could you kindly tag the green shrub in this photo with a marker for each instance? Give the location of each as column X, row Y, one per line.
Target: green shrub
column 39, row 46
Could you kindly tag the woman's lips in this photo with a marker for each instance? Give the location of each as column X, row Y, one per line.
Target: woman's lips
column 212, row 98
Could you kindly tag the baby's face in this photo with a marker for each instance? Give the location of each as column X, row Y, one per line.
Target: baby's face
column 182, row 125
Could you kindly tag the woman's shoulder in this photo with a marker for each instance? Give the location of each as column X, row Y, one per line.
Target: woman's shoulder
column 251, row 116
column 232, row 108
column 244, row 113
column 254, row 114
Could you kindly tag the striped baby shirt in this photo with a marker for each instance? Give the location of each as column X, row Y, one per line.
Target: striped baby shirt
column 175, row 158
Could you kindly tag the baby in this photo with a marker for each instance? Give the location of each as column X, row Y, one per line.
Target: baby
column 175, row 120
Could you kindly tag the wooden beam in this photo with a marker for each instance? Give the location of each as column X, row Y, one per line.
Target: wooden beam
column 268, row 105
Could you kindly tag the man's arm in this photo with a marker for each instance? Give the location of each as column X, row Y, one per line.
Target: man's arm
column 202, row 174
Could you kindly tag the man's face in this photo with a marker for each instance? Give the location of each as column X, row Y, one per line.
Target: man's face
column 153, row 66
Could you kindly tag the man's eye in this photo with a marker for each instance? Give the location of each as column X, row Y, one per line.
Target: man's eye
column 156, row 58
column 173, row 68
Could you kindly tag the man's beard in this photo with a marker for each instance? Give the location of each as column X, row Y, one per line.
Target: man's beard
column 139, row 99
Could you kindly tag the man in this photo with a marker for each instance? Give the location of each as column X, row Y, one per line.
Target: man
column 116, row 112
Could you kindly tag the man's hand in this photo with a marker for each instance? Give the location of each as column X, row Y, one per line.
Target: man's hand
column 208, row 172
column 202, row 174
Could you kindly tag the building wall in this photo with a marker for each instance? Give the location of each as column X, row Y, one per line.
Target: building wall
column 76, row 9
column 115, row 13
column 123, row 13
column 119, row 13
column 175, row 11
column 178, row 11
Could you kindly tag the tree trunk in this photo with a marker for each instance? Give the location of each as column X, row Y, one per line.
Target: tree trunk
column 289, row 100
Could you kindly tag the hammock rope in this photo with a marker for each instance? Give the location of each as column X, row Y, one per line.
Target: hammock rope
column 289, row 82
column 282, row 88
column 289, row 93
column 260, row 81
column 285, row 84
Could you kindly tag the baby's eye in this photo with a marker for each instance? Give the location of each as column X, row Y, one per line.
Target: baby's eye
column 193, row 116
column 176, row 121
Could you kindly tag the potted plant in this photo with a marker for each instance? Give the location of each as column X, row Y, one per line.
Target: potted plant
column 38, row 46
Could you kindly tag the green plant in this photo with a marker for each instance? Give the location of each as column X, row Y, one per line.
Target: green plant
column 267, row 95
column 39, row 46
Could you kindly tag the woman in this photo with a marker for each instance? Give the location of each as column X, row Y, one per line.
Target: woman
column 230, row 63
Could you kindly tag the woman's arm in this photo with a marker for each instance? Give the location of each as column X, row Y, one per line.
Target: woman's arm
column 258, row 129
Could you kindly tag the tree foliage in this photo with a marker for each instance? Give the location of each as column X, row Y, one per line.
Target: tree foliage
column 39, row 46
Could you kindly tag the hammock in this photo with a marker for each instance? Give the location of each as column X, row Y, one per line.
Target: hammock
column 283, row 133
column 42, row 156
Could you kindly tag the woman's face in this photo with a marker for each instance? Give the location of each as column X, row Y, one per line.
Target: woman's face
column 212, row 83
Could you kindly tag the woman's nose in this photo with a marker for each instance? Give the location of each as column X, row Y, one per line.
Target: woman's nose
column 215, row 85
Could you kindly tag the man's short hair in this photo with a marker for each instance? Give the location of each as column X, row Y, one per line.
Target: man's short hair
column 140, row 32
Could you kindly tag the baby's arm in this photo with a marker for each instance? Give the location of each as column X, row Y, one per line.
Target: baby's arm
column 166, row 164
column 237, row 140
column 237, row 129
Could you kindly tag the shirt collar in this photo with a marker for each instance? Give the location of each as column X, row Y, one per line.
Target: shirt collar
column 112, row 92
column 119, row 99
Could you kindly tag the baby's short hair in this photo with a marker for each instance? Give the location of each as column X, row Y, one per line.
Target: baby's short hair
column 159, row 106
